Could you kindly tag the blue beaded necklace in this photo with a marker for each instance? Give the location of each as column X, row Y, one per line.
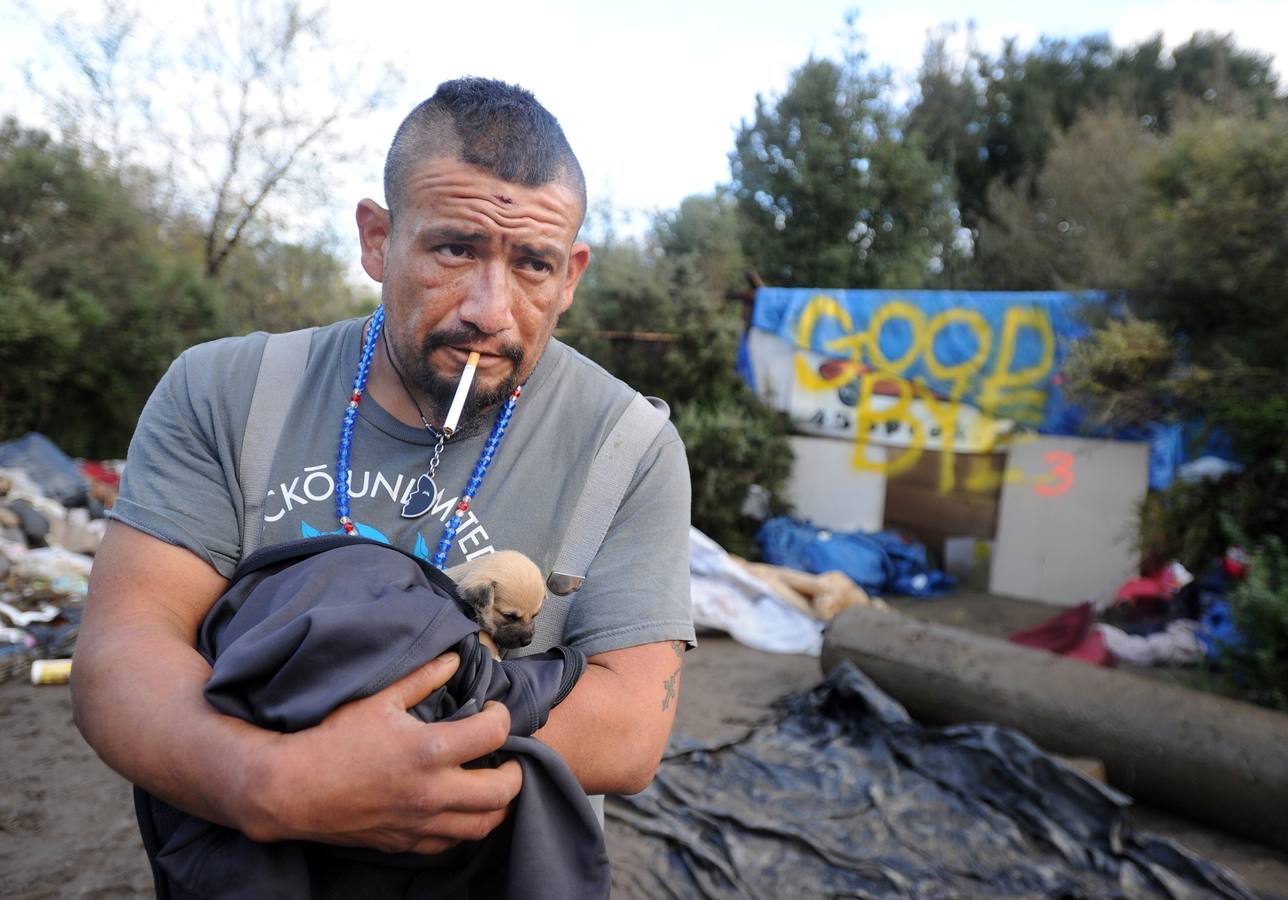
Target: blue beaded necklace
column 346, row 445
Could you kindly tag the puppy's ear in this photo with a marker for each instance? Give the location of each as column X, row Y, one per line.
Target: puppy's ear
column 479, row 594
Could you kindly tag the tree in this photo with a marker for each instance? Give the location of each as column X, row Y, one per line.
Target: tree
column 277, row 285
column 96, row 305
column 1216, row 263
column 1206, row 346
column 704, row 229
column 1078, row 223
column 950, row 117
column 830, row 191
column 1227, row 80
column 246, row 130
column 653, row 312
column 995, row 119
column 1206, row 342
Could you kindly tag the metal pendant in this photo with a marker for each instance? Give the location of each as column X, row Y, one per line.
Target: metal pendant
column 421, row 500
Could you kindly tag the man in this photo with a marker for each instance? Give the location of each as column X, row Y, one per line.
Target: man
column 476, row 252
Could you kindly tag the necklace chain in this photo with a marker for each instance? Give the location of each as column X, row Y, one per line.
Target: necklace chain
column 346, row 443
column 440, row 437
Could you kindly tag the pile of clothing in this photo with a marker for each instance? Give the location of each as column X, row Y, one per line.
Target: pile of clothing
column 1166, row 617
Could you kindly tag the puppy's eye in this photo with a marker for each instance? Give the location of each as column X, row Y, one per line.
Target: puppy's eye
column 511, row 617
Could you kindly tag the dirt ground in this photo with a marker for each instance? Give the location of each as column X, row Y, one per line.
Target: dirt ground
column 67, row 824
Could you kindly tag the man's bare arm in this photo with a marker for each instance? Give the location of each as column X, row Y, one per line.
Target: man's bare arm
column 612, row 729
column 368, row 775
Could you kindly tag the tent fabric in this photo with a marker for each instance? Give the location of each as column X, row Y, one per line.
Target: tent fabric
column 843, row 795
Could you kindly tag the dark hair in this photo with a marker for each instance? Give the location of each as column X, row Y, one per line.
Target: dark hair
column 499, row 127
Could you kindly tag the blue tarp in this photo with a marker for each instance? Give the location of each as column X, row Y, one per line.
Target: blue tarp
column 883, row 562
column 996, row 350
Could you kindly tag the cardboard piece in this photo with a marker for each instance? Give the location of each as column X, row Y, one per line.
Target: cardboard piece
column 941, row 497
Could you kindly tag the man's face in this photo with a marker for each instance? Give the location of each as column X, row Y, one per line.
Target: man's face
column 473, row 263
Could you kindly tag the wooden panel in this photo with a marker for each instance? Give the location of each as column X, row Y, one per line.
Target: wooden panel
column 917, row 502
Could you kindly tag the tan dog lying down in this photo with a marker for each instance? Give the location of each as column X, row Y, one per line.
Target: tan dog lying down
column 505, row 590
column 821, row 596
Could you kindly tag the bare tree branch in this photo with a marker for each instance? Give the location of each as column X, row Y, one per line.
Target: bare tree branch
column 234, row 114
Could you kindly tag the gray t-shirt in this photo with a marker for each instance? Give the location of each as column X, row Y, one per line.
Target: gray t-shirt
column 180, row 482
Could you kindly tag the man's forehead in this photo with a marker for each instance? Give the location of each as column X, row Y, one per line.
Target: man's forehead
column 444, row 177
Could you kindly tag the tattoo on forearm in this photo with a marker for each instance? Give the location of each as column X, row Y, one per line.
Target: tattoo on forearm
column 678, row 647
column 669, row 687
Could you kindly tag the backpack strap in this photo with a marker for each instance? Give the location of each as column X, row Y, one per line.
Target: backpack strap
column 610, row 474
column 281, row 370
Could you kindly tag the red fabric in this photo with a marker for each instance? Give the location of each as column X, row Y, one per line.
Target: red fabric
column 96, row 471
column 1092, row 649
column 1142, row 589
column 1069, row 634
column 1159, row 584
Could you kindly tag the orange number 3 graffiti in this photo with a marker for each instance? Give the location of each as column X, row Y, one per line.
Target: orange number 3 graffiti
column 1059, row 479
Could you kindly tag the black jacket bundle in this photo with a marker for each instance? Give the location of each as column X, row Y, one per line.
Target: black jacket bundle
column 311, row 625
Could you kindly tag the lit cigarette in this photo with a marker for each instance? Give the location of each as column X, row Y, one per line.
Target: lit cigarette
column 462, row 391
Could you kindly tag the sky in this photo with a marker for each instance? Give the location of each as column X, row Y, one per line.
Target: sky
column 651, row 94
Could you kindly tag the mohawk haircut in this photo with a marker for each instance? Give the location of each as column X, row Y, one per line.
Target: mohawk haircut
column 498, row 127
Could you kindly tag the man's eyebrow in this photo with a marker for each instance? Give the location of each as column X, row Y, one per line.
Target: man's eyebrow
column 547, row 252
column 449, row 235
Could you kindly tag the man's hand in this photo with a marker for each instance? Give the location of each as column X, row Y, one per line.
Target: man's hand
column 371, row 775
column 368, row 775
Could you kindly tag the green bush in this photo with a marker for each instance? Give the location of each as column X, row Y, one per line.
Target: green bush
column 733, row 445
column 1257, row 670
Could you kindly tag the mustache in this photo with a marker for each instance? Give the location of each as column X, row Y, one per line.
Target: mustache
column 466, row 335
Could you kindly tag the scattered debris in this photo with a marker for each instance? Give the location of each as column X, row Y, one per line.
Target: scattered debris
column 51, row 523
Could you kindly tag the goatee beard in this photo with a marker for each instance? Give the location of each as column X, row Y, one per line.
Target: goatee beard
column 441, row 388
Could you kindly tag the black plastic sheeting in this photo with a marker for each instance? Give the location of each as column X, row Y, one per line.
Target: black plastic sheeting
column 843, row 795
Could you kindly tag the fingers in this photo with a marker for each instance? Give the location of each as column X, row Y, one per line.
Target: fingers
column 475, row 791
column 481, row 802
column 465, row 740
column 452, row 828
column 416, row 686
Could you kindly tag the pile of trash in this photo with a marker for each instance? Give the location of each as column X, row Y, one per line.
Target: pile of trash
column 51, row 523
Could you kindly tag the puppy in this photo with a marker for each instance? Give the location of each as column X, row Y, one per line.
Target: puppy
column 505, row 590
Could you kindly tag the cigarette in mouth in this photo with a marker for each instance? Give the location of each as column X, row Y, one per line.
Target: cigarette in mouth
column 462, row 391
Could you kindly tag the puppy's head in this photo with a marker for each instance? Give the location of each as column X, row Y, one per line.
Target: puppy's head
column 505, row 590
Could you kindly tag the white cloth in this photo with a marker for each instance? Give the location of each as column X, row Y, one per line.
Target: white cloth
column 726, row 597
column 1176, row 645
